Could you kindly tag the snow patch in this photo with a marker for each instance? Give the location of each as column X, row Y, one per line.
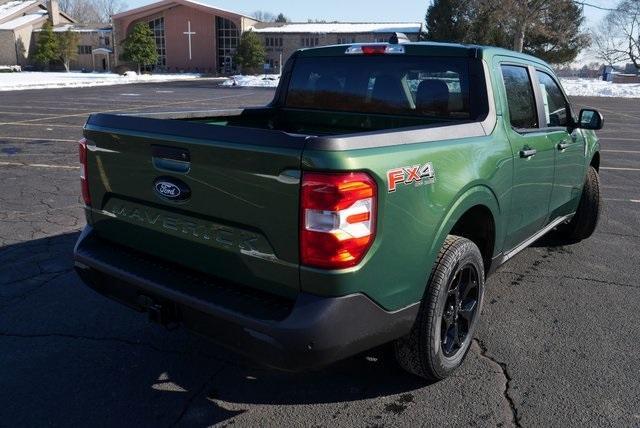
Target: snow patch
column 600, row 88
column 42, row 80
column 12, row 7
column 261, row 81
column 10, row 68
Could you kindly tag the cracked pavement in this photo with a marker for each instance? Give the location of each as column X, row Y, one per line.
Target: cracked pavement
column 557, row 344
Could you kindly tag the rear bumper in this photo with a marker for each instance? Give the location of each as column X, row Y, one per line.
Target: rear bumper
column 299, row 334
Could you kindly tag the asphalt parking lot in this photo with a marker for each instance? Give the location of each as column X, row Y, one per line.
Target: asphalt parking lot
column 558, row 344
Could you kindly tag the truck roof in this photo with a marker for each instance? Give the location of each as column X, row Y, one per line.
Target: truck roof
column 429, row 49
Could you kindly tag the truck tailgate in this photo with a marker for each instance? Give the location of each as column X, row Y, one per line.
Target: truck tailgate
column 219, row 200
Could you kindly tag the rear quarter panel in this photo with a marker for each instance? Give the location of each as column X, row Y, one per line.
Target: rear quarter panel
column 414, row 220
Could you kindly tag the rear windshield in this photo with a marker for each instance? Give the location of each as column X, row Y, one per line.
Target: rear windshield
column 387, row 84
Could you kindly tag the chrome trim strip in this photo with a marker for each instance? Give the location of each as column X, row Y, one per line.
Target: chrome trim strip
column 533, row 238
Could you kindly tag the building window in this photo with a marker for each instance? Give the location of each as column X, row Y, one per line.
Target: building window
column 227, row 43
column 157, row 26
column 84, row 50
column 273, row 42
column 346, row 40
column 309, row 42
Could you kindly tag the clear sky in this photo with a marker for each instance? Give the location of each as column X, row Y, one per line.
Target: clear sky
column 345, row 10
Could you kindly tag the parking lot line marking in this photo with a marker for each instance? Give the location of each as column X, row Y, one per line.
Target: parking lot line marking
column 43, row 107
column 619, row 169
column 38, row 165
column 55, row 140
column 26, row 113
column 621, row 151
column 128, row 109
column 637, row 201
column 619, row 139
column 57, row 125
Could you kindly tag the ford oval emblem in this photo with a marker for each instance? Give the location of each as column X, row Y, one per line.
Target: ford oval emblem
column 172, row 189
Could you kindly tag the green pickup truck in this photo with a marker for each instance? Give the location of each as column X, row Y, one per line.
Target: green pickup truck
column 365, row 205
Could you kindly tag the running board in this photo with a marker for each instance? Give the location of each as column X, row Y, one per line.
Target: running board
column 533, row 238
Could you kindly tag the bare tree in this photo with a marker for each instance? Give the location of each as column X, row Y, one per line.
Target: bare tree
column 264, row 16
column 82, row 11
column 108, row 8
column 618, row 36
column 85, row 11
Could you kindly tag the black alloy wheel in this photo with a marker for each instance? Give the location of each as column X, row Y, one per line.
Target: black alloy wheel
column 459, row 310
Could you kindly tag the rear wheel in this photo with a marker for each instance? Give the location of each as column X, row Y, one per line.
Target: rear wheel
column 444, row 328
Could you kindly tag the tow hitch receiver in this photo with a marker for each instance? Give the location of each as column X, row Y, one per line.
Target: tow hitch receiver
column 158, row 313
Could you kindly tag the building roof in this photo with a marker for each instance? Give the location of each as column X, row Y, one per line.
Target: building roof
column 169, row 3
column 15, row 14
column 23, row 20
column 82, row 28
column 13, row 7
column 340, row 27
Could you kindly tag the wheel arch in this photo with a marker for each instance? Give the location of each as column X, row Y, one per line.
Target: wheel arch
column 595, row 161
column 474, row 215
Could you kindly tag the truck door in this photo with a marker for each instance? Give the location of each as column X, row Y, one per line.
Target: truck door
column 569, row 144
column 533, row 155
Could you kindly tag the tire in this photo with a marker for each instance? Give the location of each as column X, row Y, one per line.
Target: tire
column 585, row 220
column 428, row 350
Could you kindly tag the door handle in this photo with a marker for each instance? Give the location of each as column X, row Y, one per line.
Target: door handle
column 173, row 159
column 527, row 153
column 563, row 145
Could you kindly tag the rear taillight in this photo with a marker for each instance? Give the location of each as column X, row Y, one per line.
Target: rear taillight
column 84, row 176
column 338, row 214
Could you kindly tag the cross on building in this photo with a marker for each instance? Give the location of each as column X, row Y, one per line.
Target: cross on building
column 189, row 33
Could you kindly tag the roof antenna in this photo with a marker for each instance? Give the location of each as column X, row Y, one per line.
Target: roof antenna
column 398, row 38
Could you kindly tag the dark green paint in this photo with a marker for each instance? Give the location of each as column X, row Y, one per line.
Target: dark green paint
column 246, row 196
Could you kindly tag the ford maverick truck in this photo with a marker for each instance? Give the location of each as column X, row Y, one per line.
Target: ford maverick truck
column 366, row 204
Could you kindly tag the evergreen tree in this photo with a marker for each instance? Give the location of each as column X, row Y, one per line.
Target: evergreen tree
column 557, row 38
column 140, row 46
column 545, row 28
column 281, row 18
column 67, row 47
column 448, row 20
column 46, row 46
column 250, row 54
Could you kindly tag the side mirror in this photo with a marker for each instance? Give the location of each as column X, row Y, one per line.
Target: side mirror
column 590, row 119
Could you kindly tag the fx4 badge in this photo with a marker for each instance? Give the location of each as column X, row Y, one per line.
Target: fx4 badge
column 417, row 174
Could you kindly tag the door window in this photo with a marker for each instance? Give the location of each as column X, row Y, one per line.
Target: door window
column 555, row 104
column 522, row 102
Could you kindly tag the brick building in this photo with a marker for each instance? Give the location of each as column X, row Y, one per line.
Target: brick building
column 189, row 35
column 192, row 36
column 18, row 21
column 21, row 21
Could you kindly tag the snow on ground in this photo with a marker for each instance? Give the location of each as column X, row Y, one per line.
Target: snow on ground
column 262, row 80
column 42, row 80
column 600, row 88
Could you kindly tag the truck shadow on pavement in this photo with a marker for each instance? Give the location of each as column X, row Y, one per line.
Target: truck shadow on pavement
column 58, row 337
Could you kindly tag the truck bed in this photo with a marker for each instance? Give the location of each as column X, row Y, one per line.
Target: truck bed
column 303, row 121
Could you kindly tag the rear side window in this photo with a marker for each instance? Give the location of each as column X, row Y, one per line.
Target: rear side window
column 556, row 107
column 407, row 85
column 522, row 102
